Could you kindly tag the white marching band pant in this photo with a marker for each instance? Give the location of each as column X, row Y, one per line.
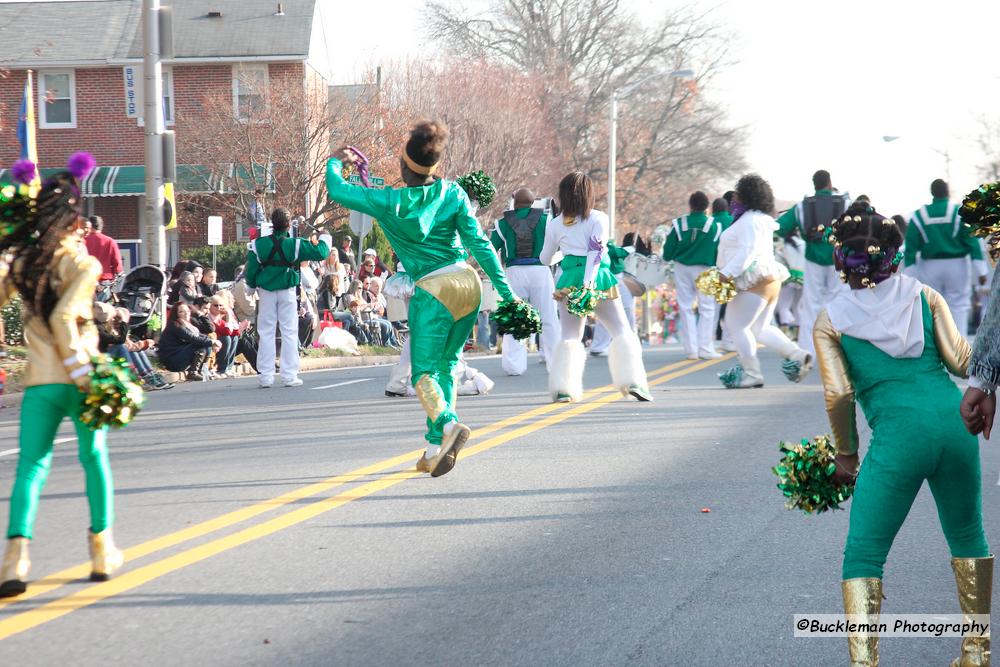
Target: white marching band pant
column 697, row 331
column 535, row 285
column 278, row 310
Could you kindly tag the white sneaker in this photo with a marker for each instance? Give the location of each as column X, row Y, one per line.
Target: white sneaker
column 266, row 384
column 709, row 355
column 297, row 382
column 692, row 357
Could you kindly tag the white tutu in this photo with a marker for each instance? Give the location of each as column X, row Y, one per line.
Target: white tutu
column 399, row 286
column 761, row 270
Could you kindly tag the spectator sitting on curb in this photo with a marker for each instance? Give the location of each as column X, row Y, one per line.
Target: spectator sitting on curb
column 373, row 267
column 245, row 299
column 185, row 289
column 114, row 340
column 376, row 307
column 227, row 332
column 182, row 348
column 208, row 286
column 330, row 300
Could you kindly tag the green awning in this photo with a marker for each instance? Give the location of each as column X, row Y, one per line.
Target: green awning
column 130, row 181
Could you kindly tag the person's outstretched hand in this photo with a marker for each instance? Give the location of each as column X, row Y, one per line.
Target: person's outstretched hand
column 977, row 409
column 345, row 155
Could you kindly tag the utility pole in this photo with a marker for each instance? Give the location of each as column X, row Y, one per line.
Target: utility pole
column 153, row 127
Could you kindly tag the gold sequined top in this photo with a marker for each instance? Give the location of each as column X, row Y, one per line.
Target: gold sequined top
column 60, row 350
column 838, row 389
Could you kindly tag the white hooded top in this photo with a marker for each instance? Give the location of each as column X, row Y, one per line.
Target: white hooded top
column 889, row 316
column 746, row 250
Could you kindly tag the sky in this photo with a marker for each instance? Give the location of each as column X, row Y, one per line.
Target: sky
column 815, row 88
column 816, row 85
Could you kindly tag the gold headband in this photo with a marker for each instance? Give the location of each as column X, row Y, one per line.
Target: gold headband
column 418, row 168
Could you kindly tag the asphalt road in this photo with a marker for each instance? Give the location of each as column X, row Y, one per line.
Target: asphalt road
column 288, row 527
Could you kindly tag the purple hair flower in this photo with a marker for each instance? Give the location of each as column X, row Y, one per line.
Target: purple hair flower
column 23, row 171
column 80, row 164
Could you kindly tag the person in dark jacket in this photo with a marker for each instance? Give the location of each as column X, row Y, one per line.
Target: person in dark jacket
column 185, row 289
column 114, row 340
column 182, row 348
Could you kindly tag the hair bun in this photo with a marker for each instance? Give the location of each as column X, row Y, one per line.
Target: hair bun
column 427, row 142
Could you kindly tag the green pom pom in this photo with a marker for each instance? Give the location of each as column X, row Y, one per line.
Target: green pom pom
column 805, row 476
column 115, row 396
column 980, row 210
column 478, row 186
column 582, row 301
column 517, row 318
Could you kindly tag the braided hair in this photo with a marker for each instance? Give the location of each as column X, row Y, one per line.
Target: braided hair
column 32, row 229
column 866, row 244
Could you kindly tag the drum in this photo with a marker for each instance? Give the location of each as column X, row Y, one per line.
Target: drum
column 650, row 270
column 632, row 284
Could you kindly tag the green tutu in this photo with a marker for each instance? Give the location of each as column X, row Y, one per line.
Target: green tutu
column 574, row 268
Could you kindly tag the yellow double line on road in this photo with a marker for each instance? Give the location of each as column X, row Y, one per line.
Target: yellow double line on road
column 129, row 579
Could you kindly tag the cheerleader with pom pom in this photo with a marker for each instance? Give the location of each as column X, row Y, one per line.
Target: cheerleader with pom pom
column 889, row 343
column 587, row 286
column 746, row 259
column 429, row 223
column 41, row 242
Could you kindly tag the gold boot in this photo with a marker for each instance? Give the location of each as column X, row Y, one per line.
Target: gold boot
column 105, row 557
column 863, row 603
column 974, row 577
column 14, row 573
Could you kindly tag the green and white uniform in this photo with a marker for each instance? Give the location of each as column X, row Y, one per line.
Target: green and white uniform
column 821, row 283
column 273, row 269
column 586, row 262
column 430, row 227
column 938, row 250
column 518, row 238
column 692, row 245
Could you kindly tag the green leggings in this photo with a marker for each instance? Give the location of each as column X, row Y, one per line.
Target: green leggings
column 436, row 341
column 42, row 410
column 891, row 475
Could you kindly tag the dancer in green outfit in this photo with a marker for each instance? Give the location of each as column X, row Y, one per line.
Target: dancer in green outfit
column 430, row 224
column 890, row 348
column 56, row 279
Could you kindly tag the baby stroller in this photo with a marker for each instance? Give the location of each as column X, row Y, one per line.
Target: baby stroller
column 141, row 292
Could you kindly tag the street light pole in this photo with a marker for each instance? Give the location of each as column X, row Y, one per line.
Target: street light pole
column 612, row 161
column 152, row 91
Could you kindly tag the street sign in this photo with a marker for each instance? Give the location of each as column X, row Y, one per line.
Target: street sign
column 375, row 181
column 215, row 230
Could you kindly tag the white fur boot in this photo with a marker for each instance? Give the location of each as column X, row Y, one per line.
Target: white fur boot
column 628, row 374
column 566, row 371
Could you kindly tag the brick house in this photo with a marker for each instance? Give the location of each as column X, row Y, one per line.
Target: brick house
column 87, row 64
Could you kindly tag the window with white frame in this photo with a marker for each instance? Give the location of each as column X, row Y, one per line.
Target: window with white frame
column 56, row 99
column 249, row 88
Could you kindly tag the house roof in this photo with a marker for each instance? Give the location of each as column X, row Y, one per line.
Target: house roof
column 110, row 31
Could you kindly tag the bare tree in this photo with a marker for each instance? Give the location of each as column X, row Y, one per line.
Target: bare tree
column 671, row 137
column 279, row 144
column 987, row 140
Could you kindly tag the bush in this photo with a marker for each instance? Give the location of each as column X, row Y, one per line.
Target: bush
column 376, row 239
column 13, row 321
column 228, row 257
